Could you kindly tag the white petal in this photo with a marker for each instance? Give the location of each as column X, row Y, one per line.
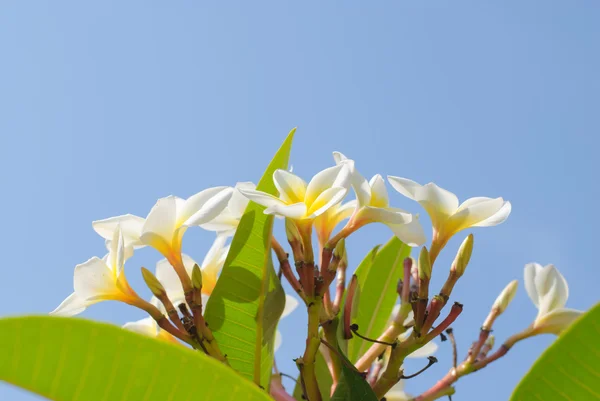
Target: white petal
column 292, row 188
column 117, row 252
column 170, row 280
column 225, row 221
column 359, row 183
column 238, row 202
column 411, row 234
column 160, row 221
column 338, row 157
column 146, row 326
column 557, row 320
column 290, row 304
column 295, row 211
column 188, row 263
column 406, row 187
column 277, row 340
column 426, row 350
column 337, row 176
column 131, row 226
column 326, row 199
column 439, row 202
column 262, row 198
column 531, row 271
column 379, row 194
column 397, row 393
column 204, row 206
column 71, row 306
column 383, row 215
column 476, row 210
column 214, row 255
column 94, row 279
column 549, row 280
column 499, row 217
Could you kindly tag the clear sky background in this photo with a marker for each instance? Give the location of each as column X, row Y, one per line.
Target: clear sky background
column 107, row 106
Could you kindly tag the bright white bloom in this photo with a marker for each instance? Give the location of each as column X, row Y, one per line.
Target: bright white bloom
column 171, row 216
column 290, row 304
column 298, row 200
column 325, row 223
column 549, row 291
column 211, row 267
column 149, row 327
column 447, row 215
column 131, row 228
column 99, row 280
column 397, row 393
column 372, row 205
column 227, row 221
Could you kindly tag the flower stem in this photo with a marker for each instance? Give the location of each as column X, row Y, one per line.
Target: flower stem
column 309, row 377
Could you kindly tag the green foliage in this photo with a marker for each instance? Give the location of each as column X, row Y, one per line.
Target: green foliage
column 66, row 359
column 248, row 299
column 378, row 275
column 570, row 368
column 352, row 386
column 323, row 379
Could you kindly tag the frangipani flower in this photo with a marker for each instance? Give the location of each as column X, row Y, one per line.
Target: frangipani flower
column 171, row 216
column 300, row 201
column 99, row 280
column 447, row 215
column 325, row 223
column 549, row 291
column 227, row 221
column 211, row 267
column 131, row 228
column 372, row 205
column 149, row 327
column 290, row 304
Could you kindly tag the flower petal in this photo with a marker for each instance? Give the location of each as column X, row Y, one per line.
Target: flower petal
column 439, row 203
column 406, row 187
column 165, row 273
column 359, row 183
column 290, row 305
column 379, row 194
column 238, row 202
column 71, row 306
column 216, row 254
column 204, row 206
column 262, row 198
column 277, row 340
column 292, row 188
column 411, row 234
column 554, row 297
column 146, row 326
column 131, row 226
column 326, row 199
column 397, row 393
column 94, row 280
column 499, row 217
column 336, row 176
column 556, row 321
column 295, row 211
column 160, row 221
column 531, row 271
column 368, row 214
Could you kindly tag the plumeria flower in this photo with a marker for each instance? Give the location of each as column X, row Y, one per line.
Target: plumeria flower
column 211, row 267
column 149, row 327
column 100, row 280
column 131, row 228
column 290, row 304
column 372, row 205
column 549, row 291
column 301, row 201
column 171, row 216
column 227, row 221
column 325, row 223
column 447, row 215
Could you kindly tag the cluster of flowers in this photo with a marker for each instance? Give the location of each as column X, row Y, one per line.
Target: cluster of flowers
column 316, row 205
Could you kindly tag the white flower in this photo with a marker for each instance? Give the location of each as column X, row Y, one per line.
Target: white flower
column 549, row 291
column 290, row 304
column 171, row 216
column 372, row 205
column 325, row 223
column 298, row 200
column 227, row 221
column 397, row 393
column 211, row 267
column 149, row 327
column 99, row 280
column 447, row 215
column 131, row 228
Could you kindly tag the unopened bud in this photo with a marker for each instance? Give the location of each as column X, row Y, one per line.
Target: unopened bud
column 424, row 264
column 339, row 252
column 292, row 232
column 152, row 282
column 463, row 256
column 197, row 277
column 507, row 295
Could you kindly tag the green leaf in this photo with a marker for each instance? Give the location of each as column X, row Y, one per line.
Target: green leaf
column 324, row 380
column 378, row 276
column 66, row 359
column 352, row 386
column 570, row 368
column 248, row 300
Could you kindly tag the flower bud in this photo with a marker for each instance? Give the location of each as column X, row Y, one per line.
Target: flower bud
column 292, row 232
column 196, row 277
column 463, row 256
column 424, row 264
column 339, row 252
column 505, row 297
column 152, row 282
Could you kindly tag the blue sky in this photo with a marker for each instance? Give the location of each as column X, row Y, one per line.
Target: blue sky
column 107, row 106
